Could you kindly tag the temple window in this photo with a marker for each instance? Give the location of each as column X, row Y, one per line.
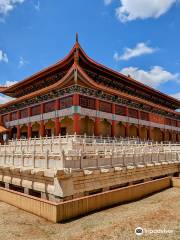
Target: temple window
column 120, row 110
column 173, row 123
column 167, row 121
column 5, row 118
column 49, row 106
column 36, row 110
column 144, row 116
column 66, row 102
column 14, row 116
column 132, row 113
column 105, row 107
column 24, row 113
column 87, row 102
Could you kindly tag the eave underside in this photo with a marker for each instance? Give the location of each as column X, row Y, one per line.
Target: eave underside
column 74, row 77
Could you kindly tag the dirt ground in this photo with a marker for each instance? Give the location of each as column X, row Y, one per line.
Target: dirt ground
column 159, row 211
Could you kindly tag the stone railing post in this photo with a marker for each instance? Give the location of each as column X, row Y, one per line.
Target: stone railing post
column 35, row 144
column 67, row 137
column 81, row 155
column 60, row 145
column 134, row 161
column 51, row 144
column 143, row 156
column 13, row 163
column 112, row 157
column 123, row 156
column 151, row 155
column 33, row 158
column 22, row 157
column 63, row 159
column 97, row 158
column 41, row 142
column 84, row 145
column 47, row 159
column 5, row 157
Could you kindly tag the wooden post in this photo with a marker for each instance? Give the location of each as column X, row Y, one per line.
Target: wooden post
column 97, row 119
column 76, row 117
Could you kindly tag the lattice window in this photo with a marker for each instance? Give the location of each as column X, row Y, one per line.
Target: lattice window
column 132, row 113
column 36, row 110
column 167, row 121
column 173, row 123
column 105, row 107
column 14, row 116
column 144, row 116
column 87, row 102
column 120, row 110
column 49, row 106
column 5, row 118
column 66, row 102
column 24, row 113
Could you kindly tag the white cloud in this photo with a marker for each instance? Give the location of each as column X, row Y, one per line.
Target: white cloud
column 176, row 95
column 9, row 83
column 138, row 50
column 22, row 62
column 3, row 57
column 7, row 6
column 154, row 77
column 5, row 99
column 107, row 2
column 142, row 9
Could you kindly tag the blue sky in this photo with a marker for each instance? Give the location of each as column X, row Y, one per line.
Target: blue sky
column 139, row 37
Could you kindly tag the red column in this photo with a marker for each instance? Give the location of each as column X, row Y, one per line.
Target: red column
column 150, row 136
column 126, row 113
column 113, row 126
column 18, row 115
column 42, row 127
column 76, row 117
column 177, row 136
column 57, row 120
column 127, row 130
column 29, row 130
column 18, row 127
column 163, row 135
column 127, row 124
column 139, row 131
column 97, row 121
column 76, row 127
column 170, row 136
column 57, row 126
column 139, row 126
column 1, row 120
column 29, row 124
column 9, row 117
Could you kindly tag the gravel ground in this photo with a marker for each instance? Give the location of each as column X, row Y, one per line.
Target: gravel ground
column 159, row 211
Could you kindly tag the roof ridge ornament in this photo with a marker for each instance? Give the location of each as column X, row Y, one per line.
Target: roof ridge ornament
column 77, row 38
column 76, row 53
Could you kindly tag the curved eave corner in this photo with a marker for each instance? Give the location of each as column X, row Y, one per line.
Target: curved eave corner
column 9, row 91
column 129, row 79
column 40, row 92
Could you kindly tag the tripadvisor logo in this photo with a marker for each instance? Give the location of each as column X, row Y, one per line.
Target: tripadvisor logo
column 139, row 231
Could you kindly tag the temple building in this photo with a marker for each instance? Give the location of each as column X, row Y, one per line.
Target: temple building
column 78, row 95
